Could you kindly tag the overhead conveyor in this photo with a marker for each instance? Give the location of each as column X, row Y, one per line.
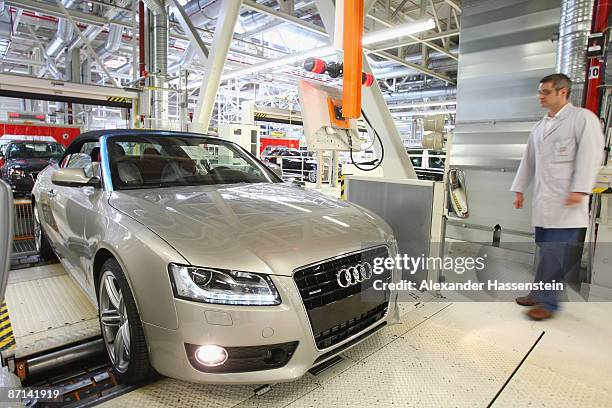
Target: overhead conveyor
column 19, row 86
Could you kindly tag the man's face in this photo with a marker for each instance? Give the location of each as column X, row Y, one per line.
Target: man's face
column 549, row 96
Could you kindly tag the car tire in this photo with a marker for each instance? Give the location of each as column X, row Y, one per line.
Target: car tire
column 312, row 176
column 120, row 321
column 45, row 252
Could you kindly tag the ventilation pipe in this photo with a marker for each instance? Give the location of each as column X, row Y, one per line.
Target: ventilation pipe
column 186, row 59
column 386, row 73
column 160, row 30
column 574, row 30
column 155, row 6
column 63, row 35
column 426, row 93
column 202, row 12
column 113, row 42
column 92, row 31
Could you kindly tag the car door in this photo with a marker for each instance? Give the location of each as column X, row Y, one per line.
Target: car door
column 6, row 233
column 72, row 208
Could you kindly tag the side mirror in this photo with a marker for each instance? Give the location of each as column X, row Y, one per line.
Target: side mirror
column 74, row 178
column 77, row 160
column 457, row 194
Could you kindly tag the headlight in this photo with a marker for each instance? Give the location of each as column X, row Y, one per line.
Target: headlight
column 16, row 173
column 223, row 286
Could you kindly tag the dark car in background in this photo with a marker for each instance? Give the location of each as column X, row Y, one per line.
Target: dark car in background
column 21, row 161
column 429, row 164
column 294, row 162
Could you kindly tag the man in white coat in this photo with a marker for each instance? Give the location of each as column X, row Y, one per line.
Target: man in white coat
column 563, row 156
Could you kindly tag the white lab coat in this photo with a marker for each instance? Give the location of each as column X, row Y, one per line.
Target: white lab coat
column 564, row 159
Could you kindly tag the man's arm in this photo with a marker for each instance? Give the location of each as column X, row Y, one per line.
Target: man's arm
column 589, row 154
column 524, row 174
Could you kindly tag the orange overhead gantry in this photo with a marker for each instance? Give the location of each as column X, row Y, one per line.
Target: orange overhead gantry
column 351, row 69
column 353, row 59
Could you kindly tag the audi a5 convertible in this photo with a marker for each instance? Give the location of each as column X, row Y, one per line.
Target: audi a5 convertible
column 204, row 265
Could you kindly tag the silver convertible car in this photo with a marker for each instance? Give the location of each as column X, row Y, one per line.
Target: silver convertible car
column 204, row 265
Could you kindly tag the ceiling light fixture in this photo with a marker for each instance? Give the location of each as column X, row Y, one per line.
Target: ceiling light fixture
column 398, row 31
column 321, row 52
column 423, row 105
column 423, row 113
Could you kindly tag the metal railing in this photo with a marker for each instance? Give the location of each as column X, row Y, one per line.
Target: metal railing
column 302, row 172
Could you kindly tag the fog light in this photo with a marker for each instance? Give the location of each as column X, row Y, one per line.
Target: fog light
column 211, row 355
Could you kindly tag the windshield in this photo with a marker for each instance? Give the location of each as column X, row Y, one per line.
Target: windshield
column 150, row 161
column 35, row 151
column 436, row 162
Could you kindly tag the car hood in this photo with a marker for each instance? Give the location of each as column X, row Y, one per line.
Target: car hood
column 267, row 228
column 28, row 164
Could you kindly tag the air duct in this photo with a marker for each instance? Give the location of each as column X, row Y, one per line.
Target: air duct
column 395, row 72
column 156, row 6
column 160, row 30
column 574, row 30
column 63, row 35
column 92, row 31
column 187, row 57
column 421, row 94
column 202, row 12
column 113, row 41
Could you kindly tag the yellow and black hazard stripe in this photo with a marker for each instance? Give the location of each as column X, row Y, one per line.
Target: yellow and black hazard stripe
column 261, row 115
column 7, row 338
column 342, row 193
column 118, row 99
column 458, row 205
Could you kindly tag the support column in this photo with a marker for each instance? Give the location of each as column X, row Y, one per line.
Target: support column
column 75, row 65
column 214, row 64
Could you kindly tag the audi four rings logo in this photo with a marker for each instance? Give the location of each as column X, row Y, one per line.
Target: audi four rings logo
column 353, row 275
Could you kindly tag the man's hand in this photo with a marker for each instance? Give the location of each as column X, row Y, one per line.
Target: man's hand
column 518, row 200
column 575, row 198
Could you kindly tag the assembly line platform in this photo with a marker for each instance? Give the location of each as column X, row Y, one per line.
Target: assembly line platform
column 442, row 354
column 48, row 310
column 460, row 354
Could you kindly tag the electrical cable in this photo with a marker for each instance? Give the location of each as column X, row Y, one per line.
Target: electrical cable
column 369, row 163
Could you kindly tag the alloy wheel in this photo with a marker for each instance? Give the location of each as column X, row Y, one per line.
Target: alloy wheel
column 114, row 322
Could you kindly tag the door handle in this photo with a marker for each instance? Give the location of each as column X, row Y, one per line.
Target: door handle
column 51, row 193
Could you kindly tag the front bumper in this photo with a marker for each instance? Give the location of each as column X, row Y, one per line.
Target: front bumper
column 235, row 326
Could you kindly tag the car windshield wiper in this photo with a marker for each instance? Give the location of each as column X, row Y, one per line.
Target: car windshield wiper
column 161, row 185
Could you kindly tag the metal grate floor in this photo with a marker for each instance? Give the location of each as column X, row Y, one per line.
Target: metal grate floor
column 441, row 354
column 24, row 247
column 48, row 309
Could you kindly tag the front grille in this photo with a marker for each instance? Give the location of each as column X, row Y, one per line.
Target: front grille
column 318, row 284
column 349, row 328
column 335, row 312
